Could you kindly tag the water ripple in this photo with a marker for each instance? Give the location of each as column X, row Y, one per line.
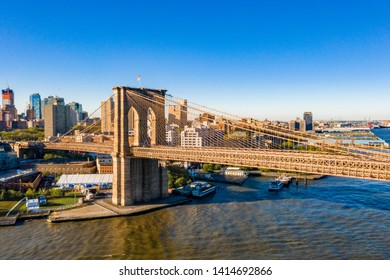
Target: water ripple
column 333, row 218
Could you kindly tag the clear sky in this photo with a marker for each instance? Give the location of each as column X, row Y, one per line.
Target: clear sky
column 262, row 59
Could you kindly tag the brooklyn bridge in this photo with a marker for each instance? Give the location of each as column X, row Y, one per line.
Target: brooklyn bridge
column 140, row 146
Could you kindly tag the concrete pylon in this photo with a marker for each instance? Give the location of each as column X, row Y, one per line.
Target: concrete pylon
column 136, row 179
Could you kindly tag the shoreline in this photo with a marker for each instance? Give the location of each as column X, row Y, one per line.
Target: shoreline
column 103, row 209
column 100, row 208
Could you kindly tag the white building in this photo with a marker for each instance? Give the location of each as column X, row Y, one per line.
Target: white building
column 235, row 171
column 201, row 137
column 190, row 137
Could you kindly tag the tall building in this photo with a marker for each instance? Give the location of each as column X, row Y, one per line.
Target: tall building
column 58, row 117
column 8, row 110
column 36, row 105
column 51, row 101
column 71, row 116
column 30, row 114
column 107, row 116
column 308, row 118
column 77, row 111
column 7, row 97
column 177, row 114
column 297, row 125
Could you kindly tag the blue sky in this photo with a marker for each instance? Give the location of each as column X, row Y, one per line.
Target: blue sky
column 262, row 59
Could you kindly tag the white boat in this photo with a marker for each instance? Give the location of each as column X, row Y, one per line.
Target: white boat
column 284, row 179
column 202, row 189
column 275, row 186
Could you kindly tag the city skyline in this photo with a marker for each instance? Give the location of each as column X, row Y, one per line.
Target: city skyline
column 258, row 60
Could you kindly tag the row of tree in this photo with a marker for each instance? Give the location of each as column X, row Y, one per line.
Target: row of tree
column 63, row 154
column 30, row 134
column 16, row 195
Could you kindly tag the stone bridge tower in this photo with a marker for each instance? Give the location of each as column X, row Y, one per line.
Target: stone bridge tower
column 139, row 121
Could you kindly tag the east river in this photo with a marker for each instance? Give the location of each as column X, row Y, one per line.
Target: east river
column 331, row 218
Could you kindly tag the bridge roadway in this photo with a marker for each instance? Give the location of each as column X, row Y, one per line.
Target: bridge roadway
column 315, row 163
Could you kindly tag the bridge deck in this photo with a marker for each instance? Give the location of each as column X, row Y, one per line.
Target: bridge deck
column 293, row 161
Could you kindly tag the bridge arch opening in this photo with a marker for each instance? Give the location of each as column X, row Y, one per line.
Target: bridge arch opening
column 133, row 124
column 151, row 127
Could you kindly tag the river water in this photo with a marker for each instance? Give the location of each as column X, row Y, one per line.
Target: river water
column 331, row 218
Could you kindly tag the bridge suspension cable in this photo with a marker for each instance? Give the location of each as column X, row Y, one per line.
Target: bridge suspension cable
column 228, row 130
column 254, row 128
column 305, row 138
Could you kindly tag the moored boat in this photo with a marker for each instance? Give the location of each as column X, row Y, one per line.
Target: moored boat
column 202, row 189
column 284, row 179
column 275, row 186
column 186, row 190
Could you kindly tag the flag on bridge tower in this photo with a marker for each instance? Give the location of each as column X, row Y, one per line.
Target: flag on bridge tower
column 139, row 80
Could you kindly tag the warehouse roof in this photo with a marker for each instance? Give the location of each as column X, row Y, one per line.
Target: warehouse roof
column 78, row 179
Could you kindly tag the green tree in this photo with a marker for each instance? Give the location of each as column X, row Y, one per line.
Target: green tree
column 208, row 167
column 288, row 145
column 42, row 192
column 3, row 195
column 31, row 134
column 180, row 182
column 56, row 193
column 14, row 195
column 30, row 193
column 174, row 173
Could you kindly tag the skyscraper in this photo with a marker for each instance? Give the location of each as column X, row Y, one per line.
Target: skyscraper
column 56, row 116
column 297, row 125
column 7, row 97
column 8, row 110
column 36, row 105
column 77, row 108
column 308, row 117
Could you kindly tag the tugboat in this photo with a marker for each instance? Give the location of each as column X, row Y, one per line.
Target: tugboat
column 275, row 186
column 202, row 189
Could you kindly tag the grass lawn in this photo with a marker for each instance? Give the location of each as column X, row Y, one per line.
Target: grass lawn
column 5, row 206
column 59, row 202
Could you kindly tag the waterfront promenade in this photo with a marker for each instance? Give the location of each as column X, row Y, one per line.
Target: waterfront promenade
column 103, row 208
